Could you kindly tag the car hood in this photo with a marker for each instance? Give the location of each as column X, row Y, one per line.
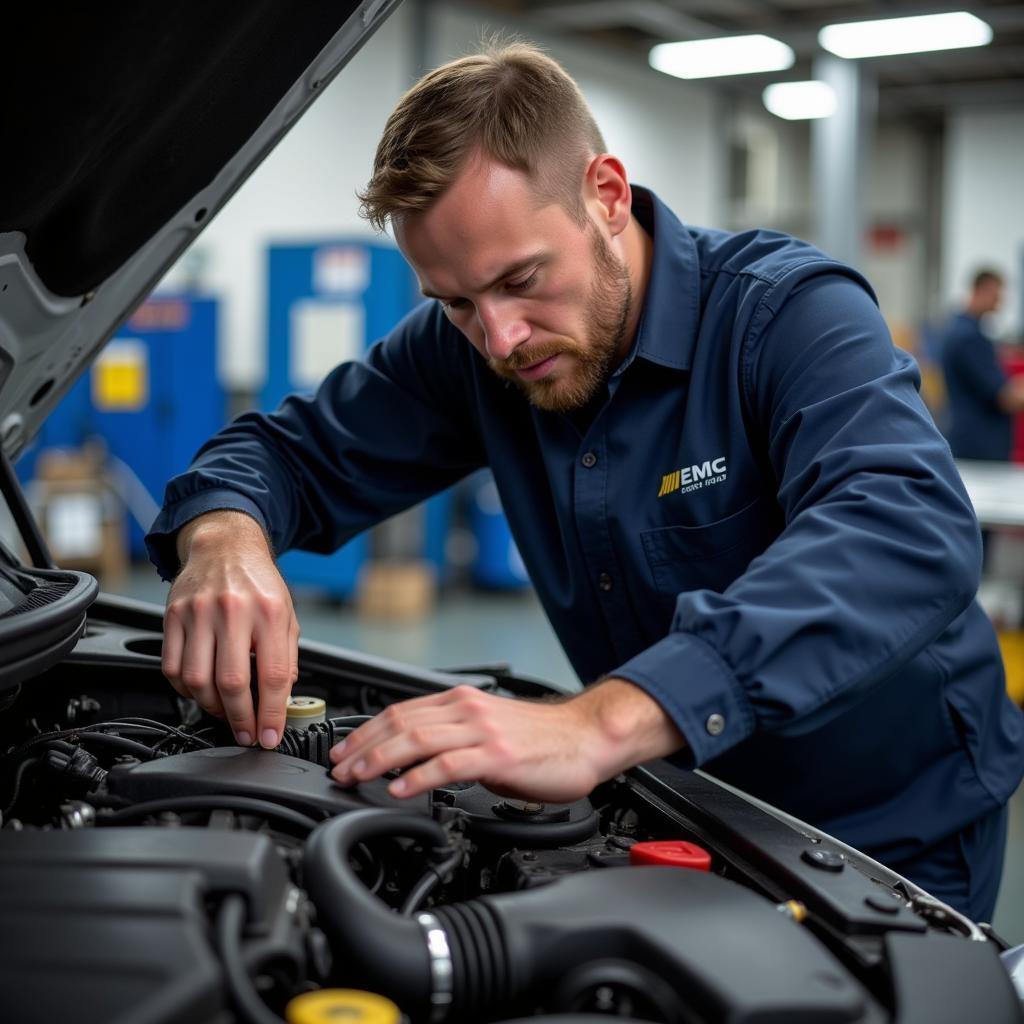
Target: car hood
column 130, row 126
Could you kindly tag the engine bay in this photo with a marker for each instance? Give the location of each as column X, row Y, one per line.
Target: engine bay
column 152, row 870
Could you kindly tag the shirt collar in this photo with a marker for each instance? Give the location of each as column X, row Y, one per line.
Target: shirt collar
column 671, row 315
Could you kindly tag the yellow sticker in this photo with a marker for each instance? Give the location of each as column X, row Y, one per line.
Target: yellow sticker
column 120, row 377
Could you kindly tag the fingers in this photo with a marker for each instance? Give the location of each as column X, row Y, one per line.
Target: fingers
column 457, row 734
column 170, row 655
column 405, row 748
column 417, row 712
column 462, row 765
column 197, row 676
column 218, row 613
column 528, row 749
column 276, row 669
column 231, row 676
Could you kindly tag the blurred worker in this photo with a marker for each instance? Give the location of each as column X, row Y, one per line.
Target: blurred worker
column 738, row 514
column 982, row 398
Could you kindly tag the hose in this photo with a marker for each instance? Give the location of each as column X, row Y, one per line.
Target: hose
column 381, row 950
column 242, row 804
column 433, row 876
column 247, row 1001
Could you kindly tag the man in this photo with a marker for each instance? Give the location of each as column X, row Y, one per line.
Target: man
column 740, row 520
column 982, row 399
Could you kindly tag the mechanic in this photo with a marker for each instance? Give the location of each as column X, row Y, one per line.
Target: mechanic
column 982, row 398
column 744, row 527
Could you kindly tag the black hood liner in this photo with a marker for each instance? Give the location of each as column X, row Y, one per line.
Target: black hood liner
column 119, row 113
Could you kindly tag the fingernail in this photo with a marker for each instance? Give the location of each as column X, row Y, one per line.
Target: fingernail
column 269, row 738
column 397, row 788
column 338, row 747
column 358, row 768
column 244, row 739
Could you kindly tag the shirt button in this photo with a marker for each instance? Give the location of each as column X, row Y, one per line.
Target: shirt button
column 715, row 724
column 589, row 460
column 604, row 582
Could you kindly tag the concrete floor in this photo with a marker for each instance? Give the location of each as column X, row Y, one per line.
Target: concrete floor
column 489, row 628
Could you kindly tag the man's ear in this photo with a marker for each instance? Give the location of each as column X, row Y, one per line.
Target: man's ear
column 607, row 193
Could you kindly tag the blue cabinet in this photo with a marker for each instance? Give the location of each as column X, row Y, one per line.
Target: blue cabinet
column 152, row 395
column 327, row 303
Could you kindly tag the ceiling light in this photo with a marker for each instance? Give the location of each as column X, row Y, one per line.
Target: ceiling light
column 800, row 101
column 905, row 35
column 712, row 58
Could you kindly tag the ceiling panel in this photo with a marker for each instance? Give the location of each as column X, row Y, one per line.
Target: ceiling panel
column 924, row 84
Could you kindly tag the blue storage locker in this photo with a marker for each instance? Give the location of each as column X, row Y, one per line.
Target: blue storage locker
column 328, row 302
column 498, row 564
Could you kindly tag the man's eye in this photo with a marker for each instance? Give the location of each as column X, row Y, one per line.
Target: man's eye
column 521, row 286
column 450, row 305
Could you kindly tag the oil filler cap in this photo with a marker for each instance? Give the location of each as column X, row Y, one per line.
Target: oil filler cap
column 671, row 853
column 333, row 1005
column 303, row 711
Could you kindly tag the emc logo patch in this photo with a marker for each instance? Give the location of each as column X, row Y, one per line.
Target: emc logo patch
column 693, row 478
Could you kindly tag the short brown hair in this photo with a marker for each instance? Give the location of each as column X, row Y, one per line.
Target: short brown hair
column 511, row 102
column 985, row 276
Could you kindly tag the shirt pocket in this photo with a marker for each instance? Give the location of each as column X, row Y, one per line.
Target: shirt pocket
column 711, row 556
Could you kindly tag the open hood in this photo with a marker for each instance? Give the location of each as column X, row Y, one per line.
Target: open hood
column 127, row 126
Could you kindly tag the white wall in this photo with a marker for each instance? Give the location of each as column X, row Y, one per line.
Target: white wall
column 895, row 197
column 664, row 130
column 984, row 205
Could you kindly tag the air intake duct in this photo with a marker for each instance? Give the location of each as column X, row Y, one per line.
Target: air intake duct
column 678, row 944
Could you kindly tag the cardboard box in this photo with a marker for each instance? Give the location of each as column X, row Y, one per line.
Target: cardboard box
column 390, row 591
column 81, row 516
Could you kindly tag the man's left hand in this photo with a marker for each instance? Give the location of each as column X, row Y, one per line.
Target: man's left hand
column 550, row 752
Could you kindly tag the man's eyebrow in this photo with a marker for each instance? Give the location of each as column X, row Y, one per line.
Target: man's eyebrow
column 510, row 271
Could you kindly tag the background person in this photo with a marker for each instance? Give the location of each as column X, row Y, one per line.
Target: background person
column 982, row 399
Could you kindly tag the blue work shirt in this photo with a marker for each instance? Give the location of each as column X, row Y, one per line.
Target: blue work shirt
column 978, row 428
column 759, row 525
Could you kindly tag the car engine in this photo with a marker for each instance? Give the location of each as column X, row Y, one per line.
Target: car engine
column 153, row 871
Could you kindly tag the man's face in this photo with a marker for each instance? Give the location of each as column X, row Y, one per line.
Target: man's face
column 991, row 294
column 542, row 299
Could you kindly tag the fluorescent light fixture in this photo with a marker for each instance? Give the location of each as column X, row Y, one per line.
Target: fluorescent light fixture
column 905, row 35
column 713, row 58
column 800, row 101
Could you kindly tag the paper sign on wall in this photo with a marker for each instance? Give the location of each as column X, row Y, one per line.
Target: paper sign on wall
column 74, row 525
column 323, row 334
column 341, row 269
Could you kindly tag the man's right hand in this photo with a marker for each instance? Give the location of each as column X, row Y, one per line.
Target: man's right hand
column 228, row 601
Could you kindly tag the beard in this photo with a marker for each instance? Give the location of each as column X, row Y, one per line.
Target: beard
column 592, row 358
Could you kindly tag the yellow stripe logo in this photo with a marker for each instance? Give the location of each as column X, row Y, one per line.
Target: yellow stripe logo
column 670, row 482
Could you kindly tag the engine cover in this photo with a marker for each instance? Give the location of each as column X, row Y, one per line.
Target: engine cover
column 108, row 925
column 250, row 772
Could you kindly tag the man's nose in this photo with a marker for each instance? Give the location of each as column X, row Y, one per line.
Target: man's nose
column 504, row 331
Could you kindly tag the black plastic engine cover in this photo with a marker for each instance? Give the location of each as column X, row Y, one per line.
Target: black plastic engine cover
column 262, row 774
column 110, row 925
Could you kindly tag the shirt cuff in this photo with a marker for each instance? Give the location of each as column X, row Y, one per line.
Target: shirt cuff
column 697, row 690
column 161, row 541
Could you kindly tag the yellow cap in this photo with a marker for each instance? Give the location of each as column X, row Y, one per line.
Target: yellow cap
column 341, row 1006
column 305, row 708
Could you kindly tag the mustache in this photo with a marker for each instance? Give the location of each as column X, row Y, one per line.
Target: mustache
column 524, row 356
